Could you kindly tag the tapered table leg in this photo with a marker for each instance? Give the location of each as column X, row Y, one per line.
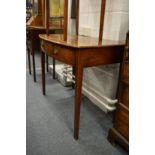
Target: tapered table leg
column 53, row 68
column 78, row 89
column 47, row 63
column 34, row 68
column 43, row 72
column 29, row 60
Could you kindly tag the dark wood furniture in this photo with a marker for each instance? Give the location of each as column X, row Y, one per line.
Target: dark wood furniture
column 120, row 132
column 35, row 26
column 80, row 52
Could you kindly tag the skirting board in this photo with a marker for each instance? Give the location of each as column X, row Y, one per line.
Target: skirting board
column 103, row 102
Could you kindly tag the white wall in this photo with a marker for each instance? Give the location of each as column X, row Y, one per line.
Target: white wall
column 71, row 22
column 102, row 81
column 116, row 18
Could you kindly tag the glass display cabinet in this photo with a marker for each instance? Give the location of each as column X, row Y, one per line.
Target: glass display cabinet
column 37, row 25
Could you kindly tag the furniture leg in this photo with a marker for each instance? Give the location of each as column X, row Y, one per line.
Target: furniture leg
column 53, row 68
column 43, row 71
column 34, row 69
column 29, row 60
column 78, row 89
column 47, row 62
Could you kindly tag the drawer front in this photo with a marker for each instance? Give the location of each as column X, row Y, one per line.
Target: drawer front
column 122, row 121
column 126, row 71
column 61, row 53
column 124, row 94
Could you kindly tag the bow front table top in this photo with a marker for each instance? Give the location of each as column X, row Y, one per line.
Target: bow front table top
column 79, row 52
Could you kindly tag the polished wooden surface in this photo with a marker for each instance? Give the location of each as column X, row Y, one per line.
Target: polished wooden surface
column 122, row 120
column 78, row 90
column 39, row 27
column 120, row 132
column 65, row 19
column 102, row 14
column 60, row 53
column 37, row 21
column 79, row 41
column 79, row 52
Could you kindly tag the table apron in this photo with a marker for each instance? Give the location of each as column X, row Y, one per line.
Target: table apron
column 90, row 56
column 60, row 53
column 101, row 56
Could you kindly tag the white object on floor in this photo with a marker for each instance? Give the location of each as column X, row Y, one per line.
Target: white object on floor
column 59, row 74
column 65, row 77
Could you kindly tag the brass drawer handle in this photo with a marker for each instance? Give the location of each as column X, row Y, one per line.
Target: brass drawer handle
column 55, row 51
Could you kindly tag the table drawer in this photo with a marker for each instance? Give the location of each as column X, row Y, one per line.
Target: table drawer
column 58, row 52
column 122, row 121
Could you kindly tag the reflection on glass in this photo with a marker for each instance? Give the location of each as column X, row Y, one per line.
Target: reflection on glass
column 35, row 7
column 56, row 8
